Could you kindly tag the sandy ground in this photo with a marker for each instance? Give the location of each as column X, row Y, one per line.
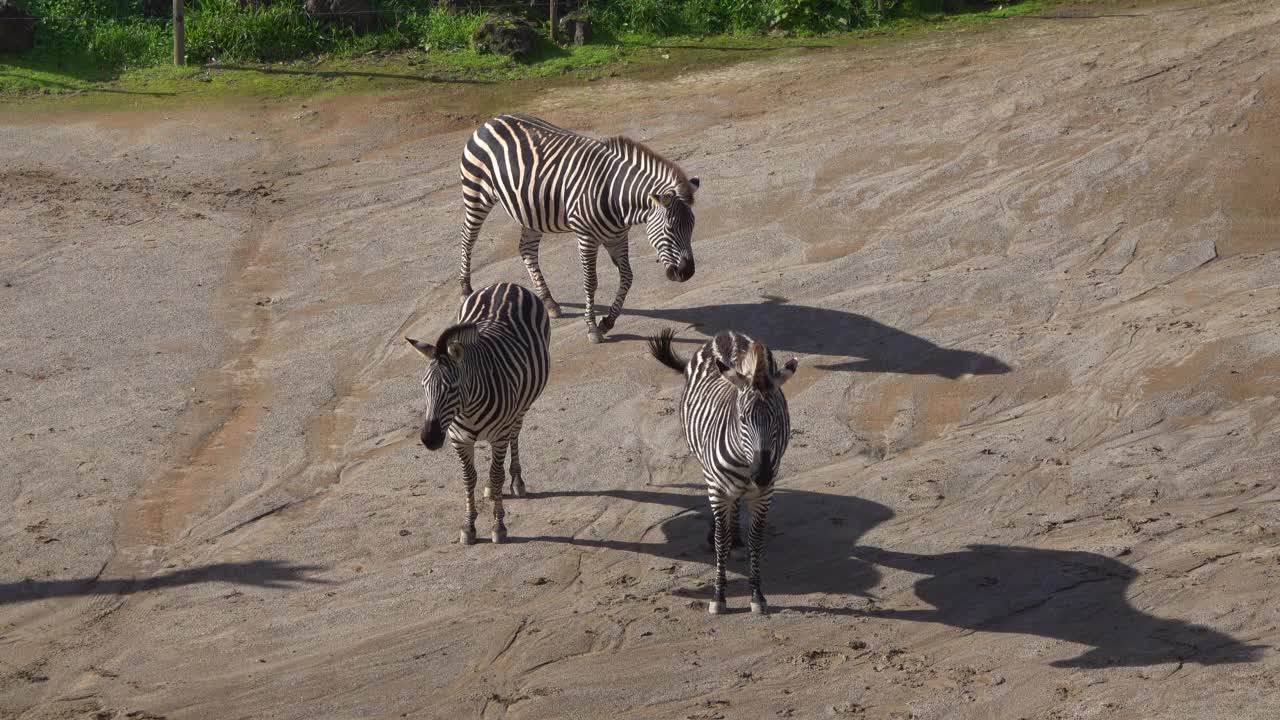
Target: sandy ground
column 1031, row 275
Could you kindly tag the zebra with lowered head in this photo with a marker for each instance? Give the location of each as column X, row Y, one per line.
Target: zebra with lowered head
column 551, row 180
column 483, row 373
column 737, row 425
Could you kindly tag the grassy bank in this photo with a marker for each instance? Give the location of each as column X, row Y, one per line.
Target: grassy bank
column 426, row 45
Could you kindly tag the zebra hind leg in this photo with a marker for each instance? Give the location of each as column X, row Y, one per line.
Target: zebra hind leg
column 497, row 476
column 477, row 209
column 466, row 454
column 517, row 477
column 529, row 241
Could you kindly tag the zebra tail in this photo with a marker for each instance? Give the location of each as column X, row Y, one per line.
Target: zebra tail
column 660, row 349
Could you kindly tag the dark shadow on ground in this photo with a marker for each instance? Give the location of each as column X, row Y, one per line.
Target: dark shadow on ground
column 343, row 73
column 258, row 573
column 86, row 88
column 1067, row 15
column 809, row 547
column 1078, row 597
column 789, row 328
column 732, row 48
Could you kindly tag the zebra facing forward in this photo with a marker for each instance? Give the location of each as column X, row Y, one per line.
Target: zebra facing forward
column 483, row 374
column 552, row 180
column 737, row 425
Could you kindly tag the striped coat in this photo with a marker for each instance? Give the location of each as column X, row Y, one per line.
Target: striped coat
column 483, row 374
column 551, row 180
column 737, row 425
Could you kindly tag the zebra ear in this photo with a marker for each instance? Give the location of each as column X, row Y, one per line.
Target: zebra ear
column 661, row 201
column 456, row 339
column 425, row 349
column 786, row 372
column 732, row 376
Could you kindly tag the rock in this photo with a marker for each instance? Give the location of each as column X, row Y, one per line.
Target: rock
column 358, row 15
column 17, row 29
column 504, row 35
column 576, row 26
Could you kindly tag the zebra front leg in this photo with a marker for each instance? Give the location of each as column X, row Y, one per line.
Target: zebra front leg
column 618, row 252
column 735, row 535
column 467, row 453
column 588, row 250
column 759, row 509
column 496, row 478
column 529, row 241
column 735, row 532
column 721, row 513
column 517, row 478
column 477, row 210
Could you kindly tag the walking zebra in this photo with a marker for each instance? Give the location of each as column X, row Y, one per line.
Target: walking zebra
column 484, row 373
column 736, row 422
column 552, row 180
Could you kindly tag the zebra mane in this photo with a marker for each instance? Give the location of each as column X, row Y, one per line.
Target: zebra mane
column 747, row 356
column 626, row 147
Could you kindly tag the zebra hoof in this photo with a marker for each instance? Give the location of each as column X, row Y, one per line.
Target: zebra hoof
column 468, row 537
column 595, row 336
column 605, row 325
column 553, row 307
column 499, row 536
column 760, row 608
column 716, row 607
column 517, row 490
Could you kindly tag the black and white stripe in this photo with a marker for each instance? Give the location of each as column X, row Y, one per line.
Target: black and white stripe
column 551, row 180
column 737, row 425
column 484, row 373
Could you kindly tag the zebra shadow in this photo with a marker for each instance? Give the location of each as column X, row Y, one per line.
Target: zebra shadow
column 808, row 330
column 1078, row 597
column 255, row 573
column 809, row 546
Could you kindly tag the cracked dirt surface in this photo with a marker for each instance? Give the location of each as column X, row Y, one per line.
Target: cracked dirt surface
column 1031, row 275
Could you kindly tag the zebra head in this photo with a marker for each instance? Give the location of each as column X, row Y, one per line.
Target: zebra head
column 762, row 420
column 670, row 230
column 442, row 384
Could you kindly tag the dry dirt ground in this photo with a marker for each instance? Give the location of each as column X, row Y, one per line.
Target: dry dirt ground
column 1030, row 272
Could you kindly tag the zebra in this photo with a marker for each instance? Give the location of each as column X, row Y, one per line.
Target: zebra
column 553, row 180
column 483, row 374
column 737, row 425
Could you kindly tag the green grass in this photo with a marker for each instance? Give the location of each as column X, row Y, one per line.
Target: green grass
column 399, row 56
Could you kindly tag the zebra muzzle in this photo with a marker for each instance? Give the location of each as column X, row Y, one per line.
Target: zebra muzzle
column 762, row 470
column 681, row 272
column 432, row 436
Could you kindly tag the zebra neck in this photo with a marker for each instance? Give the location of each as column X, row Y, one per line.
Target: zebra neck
column 632, row 188
column 476, row 377
column 740, row 451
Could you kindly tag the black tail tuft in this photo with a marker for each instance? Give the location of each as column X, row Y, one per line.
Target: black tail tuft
column 660, row 349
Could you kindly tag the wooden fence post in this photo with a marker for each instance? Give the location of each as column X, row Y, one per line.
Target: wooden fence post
column 555, row 31
column 179, row 35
